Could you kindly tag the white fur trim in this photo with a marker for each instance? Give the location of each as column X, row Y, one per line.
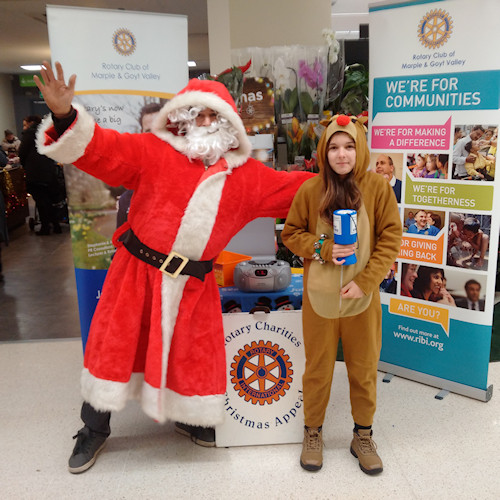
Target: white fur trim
column 198, row 220
column 234, row 158
column 206, row 411
column 106, row 395
column 72, row 144
column 199, row 217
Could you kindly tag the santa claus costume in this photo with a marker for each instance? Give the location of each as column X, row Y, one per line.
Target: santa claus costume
column 154, row 336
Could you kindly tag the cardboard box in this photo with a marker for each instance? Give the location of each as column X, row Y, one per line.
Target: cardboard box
column 224, row 266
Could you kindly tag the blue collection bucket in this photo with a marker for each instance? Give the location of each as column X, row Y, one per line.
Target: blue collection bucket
column 345, row 230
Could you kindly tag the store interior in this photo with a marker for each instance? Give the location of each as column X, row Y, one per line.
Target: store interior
column 432, row 447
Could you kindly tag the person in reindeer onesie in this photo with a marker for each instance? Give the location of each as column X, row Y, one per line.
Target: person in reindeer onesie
column 157, row 332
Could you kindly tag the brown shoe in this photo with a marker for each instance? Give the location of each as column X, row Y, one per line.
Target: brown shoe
column 365, row 450
column 311, row 458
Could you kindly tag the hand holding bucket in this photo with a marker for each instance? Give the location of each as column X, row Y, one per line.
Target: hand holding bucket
column 345, row 231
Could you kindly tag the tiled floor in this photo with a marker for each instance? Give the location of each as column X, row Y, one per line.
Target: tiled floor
column 432, row 449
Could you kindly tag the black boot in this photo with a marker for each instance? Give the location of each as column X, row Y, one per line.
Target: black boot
column 204, row 436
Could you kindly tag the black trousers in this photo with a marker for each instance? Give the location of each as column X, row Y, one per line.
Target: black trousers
column 44, row 196
column 97, row 421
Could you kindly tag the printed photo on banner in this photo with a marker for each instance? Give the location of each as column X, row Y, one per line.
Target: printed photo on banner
column 425, row 283
column 391, row 167
column 474, row 152
column 468, row 240
column 423, row 221
column 428, row 165
column 453, row 288
column 92, row 203
column 389, row 283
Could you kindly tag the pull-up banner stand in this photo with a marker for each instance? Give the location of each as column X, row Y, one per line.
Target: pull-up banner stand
column 435, row 107
column 124, row 61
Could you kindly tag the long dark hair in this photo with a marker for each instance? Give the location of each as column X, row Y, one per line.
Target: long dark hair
column 422, row 283
column 340, row 193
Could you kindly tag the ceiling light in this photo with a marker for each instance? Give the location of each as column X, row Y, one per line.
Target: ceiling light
column 32, row 67
column 192, row 64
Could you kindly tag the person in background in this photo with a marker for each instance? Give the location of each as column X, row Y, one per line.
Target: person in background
column 485, row 142
column 434, row 220
column 481, row 167
column 419, row 169
column 385, row 167
column 474, row 238
column 421, row 225
column 41, row 177
column 408, row 279
column 461, row 155
column 3, row 159
column 410, row 219
column 431, row 168
column 146, row 118
column 457, row 135
column 4, row 234
column 442, row 164
column 342, row 302
column 430, row 285
column 10, row 144
column 471, row 300
column 389, row 283
column 157, row 332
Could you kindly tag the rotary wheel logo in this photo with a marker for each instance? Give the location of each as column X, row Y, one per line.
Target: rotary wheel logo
column 435, row 28
column 261, row 372
column 124, row 41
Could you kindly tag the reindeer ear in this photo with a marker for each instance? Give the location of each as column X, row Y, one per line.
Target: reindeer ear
column 325, row 122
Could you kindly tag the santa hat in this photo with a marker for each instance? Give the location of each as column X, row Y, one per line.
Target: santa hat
column 205, row 94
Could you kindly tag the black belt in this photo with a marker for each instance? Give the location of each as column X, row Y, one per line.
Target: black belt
column 172, row 264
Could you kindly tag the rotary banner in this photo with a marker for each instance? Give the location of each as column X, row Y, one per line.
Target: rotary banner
column 126, row 69
column 435, row 112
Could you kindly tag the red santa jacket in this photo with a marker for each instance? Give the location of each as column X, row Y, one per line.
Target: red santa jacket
column 153, row 337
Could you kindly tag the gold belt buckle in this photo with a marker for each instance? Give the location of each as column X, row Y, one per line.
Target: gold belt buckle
column 169, row 258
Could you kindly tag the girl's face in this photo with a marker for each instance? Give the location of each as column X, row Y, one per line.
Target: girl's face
column 430, row 220
column 420, row 162
column 341, row 153
column 431, row 164
column 436, row 282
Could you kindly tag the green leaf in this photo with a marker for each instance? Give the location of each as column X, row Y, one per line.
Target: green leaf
column 306, row 102
column 353, row 103
column 293, row 100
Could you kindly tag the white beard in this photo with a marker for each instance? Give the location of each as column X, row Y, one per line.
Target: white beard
column 209, row 143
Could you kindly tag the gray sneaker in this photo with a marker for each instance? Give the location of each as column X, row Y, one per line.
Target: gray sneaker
column 87, row 447
column 204, row 436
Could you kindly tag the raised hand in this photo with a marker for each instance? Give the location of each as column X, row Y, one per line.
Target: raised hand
column 58, row 96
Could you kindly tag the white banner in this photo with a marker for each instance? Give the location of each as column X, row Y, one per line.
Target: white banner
column 432, row 83
column 127, row 64
column 115, row 50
